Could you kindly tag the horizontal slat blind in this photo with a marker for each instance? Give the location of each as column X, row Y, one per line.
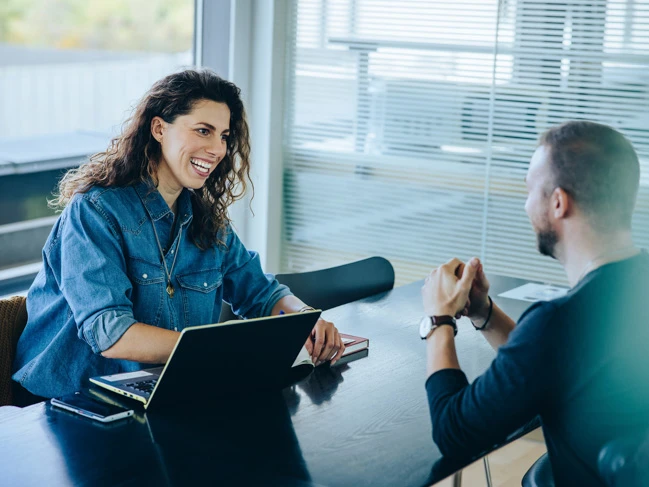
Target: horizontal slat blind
column 409, row 125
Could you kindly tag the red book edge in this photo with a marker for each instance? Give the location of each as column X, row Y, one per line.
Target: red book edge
column 358, row 343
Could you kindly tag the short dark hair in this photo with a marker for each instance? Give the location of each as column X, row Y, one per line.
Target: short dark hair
column 598, row 167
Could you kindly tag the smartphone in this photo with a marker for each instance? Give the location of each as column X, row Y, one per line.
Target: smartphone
column 85, row 406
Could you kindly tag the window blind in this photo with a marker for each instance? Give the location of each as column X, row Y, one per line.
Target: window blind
column 409, row 125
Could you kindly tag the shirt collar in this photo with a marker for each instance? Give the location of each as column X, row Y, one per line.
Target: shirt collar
column 157, row 207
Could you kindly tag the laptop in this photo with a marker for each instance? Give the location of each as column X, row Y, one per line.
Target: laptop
column 221, row 360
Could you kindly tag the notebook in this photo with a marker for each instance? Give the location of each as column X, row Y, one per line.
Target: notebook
column 220, row 360
column 353, row 344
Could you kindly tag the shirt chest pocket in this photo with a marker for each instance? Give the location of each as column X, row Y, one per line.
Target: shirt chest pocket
column 199, row 291
column 148, row 282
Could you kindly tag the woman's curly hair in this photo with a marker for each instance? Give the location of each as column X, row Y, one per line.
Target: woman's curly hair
column 134, row 156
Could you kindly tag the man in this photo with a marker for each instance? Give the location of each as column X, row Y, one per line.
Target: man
column 581, row 361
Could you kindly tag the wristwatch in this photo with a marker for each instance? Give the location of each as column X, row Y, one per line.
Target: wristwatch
column 429, row 323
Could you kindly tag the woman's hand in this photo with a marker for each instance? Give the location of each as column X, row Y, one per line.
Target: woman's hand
column 324, row 343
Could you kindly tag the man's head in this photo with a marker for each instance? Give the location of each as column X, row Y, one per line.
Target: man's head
column 581, row 169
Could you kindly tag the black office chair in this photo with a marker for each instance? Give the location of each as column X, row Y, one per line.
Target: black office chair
column 621, row 462
column 334, row 286
column 539, row 474
column 625, row 461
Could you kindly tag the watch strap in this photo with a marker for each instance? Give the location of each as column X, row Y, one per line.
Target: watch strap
column 444, row 320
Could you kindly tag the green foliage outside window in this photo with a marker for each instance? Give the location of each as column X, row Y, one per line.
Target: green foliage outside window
column 116, row 25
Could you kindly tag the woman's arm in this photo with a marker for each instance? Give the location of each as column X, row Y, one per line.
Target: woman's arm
column 288, row 304
column 152, row 345
column 253, row 293
column 144, row 343
column 96, row 286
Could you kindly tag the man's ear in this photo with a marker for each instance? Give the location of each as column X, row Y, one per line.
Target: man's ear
column 561, row 203
column 158, row 127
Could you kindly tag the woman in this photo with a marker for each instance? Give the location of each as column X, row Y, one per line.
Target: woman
column 144, row 247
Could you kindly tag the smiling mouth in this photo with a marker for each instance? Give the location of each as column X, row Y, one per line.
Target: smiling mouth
column 201, row 166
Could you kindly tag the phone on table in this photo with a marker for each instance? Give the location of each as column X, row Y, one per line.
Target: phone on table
column 85, row 406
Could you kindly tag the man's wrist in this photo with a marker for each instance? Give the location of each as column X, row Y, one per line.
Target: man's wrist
column 442, row 332
column 430, row 323
column 481, row 323
column 482, row 313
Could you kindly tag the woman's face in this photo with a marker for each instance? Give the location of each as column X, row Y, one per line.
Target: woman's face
column 192, row 146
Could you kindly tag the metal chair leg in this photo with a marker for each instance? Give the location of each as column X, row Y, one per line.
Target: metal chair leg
column 487, row 471
column 457, row 476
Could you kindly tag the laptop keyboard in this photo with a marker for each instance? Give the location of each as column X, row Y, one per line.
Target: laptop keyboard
column 145, row 386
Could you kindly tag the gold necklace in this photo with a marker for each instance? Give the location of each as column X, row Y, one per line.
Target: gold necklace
column 606, row 255
column 170, row 288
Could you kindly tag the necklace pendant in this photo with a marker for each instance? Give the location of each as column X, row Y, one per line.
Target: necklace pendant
column 170, row 290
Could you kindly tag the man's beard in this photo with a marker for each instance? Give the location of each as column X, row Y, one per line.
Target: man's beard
column 546, row 241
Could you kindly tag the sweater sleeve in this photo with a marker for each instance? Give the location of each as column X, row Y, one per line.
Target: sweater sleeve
column 468, row 418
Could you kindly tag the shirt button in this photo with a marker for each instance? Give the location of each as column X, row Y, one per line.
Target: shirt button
column 144, row 276
column 172, row 251
column 205, row 284
column 175, row 328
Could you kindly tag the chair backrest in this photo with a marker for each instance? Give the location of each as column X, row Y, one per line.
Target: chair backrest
column 539, row 474
column 335, row 286
column 625, row 461
column 13, row 318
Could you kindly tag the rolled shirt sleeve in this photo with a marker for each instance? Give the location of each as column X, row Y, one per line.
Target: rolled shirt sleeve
column 93, row 275
column 102, row 332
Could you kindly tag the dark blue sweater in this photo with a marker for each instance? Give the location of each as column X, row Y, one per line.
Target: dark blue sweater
column 581, row 362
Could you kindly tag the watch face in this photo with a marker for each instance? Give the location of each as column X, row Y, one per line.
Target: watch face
column 425, row 325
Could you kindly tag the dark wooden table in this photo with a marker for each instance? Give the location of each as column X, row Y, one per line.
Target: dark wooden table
column 361, row 423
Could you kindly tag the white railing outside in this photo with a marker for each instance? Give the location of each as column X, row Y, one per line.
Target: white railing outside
column 39, row 99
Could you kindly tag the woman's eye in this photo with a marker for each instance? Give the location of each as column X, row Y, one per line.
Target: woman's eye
column 225, row 137
column 203, row 131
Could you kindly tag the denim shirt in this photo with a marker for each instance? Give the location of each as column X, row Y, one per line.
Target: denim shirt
column 103, row 272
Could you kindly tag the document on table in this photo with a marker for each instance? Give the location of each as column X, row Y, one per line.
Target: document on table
column 535, row 292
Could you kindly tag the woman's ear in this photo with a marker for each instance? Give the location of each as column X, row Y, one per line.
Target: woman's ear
column 158, row 127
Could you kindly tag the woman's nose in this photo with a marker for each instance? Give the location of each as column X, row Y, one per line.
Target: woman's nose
column 218, row 149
